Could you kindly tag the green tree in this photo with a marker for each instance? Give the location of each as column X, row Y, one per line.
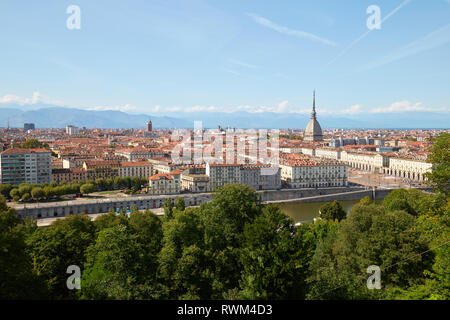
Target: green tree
column 109, row 220
column 439, row 156
column 24, row 188
column 26, row 197
column 58, row 246
column 398, row 200
column 37, row 193
column 183, row 237
column 168, row 209
column 274, row 258
column 136, row 181
column 17, row 281
column 114, row 267
column 180, row 204
column 87, row 188
column 332, row 211
column 34, row 144
column 5, row 189
column 15, row 194
column 369, row 236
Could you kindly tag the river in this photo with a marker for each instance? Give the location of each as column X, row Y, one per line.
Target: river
column 306, row 212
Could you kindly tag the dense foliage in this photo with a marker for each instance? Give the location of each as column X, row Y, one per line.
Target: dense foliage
column 235, row 247
column 46, row 192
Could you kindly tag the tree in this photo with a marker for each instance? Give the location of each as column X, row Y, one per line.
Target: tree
column 34, row 144
column 274, row 258
column 58, row 246
column 100, row 184
column 148, row 229
column 114, row 267
column 180, row 204
column 369, row 236
column 15, row 194
column 398, row 200
column 439, row 156
column 37, row 193
column 26, row 197
column 87, row 188
column 17, row 280
column 332, row 211
column 5, row 189
column 223, row 220
column 136, row 181
column 182, row 238
column 168, row 209
column 24, row 188
column 118, row 182
column 49, row 192
column 110, row 220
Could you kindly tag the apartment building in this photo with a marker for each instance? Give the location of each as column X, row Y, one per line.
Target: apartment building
column 141, row 169
column 140, row 153
column 311, row 174
column 256, row 178
column 25, row 166
column 68, row 175
column 223, row 174
column 192, row 182
column 165, row 183
column 104, row 169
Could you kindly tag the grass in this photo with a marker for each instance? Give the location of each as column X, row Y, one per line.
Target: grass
column 109, row 192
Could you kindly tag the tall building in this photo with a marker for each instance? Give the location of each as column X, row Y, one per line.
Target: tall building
column 28, row 126
column 25, row 166
column 72, row 130
column 313, row 130
column 149, row 126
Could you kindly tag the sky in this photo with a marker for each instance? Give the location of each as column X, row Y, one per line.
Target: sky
column 167, row 56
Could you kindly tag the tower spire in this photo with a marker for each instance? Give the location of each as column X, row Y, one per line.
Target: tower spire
column 313, row 113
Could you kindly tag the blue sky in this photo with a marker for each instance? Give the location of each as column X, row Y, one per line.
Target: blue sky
column 164, row 56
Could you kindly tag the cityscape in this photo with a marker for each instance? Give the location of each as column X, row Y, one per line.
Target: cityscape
column 208, row 187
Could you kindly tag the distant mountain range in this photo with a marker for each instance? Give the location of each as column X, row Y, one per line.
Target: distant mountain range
column 49, row 116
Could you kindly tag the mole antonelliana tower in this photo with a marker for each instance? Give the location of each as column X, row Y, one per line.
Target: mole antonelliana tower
column 313, row 131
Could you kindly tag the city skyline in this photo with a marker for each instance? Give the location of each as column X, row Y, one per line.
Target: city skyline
column 185, row 57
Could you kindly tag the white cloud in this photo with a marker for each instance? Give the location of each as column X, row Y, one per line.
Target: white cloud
column 283, row 106
column 352, row 110
column 291, row 32
column 37, row 97
column 365, row 34
column 432, row 40
column 125, row 108
column 243, row 64
column 406, row 106
column 232, row 72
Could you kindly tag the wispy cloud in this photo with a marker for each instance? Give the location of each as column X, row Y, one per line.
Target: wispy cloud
column 432, row 40
column 365, row 34
column 291, row 32
column 37, row 97
column 407, row 106
column 243, row 64
column 232, row 72
column 124, row 108
column 283, row 107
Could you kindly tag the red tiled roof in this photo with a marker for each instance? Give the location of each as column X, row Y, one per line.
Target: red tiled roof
column 159, row 176
column 136, row 164
column 19, row 150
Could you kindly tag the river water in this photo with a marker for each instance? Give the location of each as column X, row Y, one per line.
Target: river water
column 306, row 212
